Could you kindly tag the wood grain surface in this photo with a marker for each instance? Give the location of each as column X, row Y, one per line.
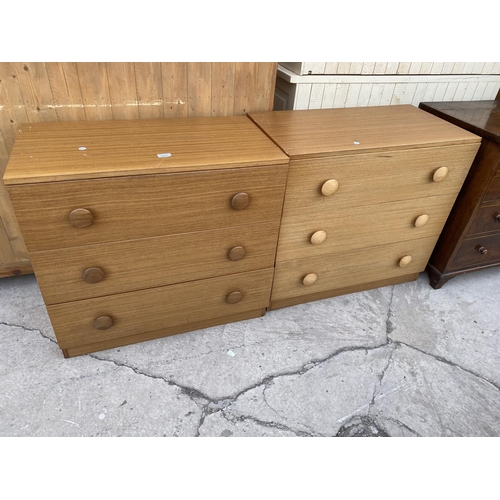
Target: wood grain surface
column 151, row 262
column 368, row 179
column 344, row 269
column 150, row 205
column 157, row 308
column 322, row 132
column 84, row 150
column 361, row 227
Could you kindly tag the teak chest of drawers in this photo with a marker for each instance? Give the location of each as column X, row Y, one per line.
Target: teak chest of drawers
column 140, row 229
column 470, row 239
column 368, row 193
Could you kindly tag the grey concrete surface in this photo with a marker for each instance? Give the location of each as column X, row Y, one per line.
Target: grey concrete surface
column 404, row 360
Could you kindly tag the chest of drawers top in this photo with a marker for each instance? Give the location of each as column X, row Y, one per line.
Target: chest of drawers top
column 45, row 152
column 480, row 117
column 320, row 133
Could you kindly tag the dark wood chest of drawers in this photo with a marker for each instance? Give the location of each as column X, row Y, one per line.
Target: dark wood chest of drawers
column 470, row 239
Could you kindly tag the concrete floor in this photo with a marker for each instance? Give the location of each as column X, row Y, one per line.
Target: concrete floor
column 405, row 360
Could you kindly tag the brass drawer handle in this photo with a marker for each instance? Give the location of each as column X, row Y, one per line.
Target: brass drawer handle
column 329, row 187
column 81, row 217
column 240, row 201
column 236, row 253
column 440, row 174
column 309, row 279
column 318, row 237
column 93, row 275
column 103, row 322
column 234, row 297
column 405, row 260
column 482, row 250
column 421, row 220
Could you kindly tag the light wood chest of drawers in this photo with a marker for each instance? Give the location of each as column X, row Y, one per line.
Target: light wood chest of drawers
column 368, row 193
column 140, row 229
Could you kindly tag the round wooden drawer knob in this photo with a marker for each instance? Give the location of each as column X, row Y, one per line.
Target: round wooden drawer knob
column 103, row 322
column 236, row 253
column 240, row 201
column 234, row 297
column 318, row 237
column 482, row 250
column 329, row 187
column 81, row 217
column 440, row 174
column 421, row 220
column 405, row 261
column 93, row 275
column 310, row 279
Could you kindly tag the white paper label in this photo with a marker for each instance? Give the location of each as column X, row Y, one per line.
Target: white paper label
column 164, row 155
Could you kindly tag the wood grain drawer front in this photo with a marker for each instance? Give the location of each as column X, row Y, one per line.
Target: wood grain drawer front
column 367, row 179
column 476, row 252
column 493, row 192
column 342, row 269
column 137, row 264
column 360, row 227
column 142, row 206
column 486, row 219
column 157, row 308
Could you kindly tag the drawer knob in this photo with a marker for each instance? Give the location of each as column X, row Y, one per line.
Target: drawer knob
column 421, row 220
column 440, row 174
column 310, row 279
column 236, row 253
column 329, row 187
column 482, row 250
column 318, row 237
column 234, row 297
column 81, row 217
column 405, row 261
column 93, row 275
column 240, row 201
column 497, row 218
column 103, row 322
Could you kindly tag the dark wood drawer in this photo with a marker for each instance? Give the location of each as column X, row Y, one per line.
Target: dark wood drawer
column 476, row 252
column 493, row 192
column 487, row 219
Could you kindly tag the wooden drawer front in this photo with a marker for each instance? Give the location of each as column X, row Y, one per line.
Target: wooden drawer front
column 342, row 269
column 366, row 179
column 124, row 266
column 472, row 252
column 487, row 219
column 142, row 206
column 157, row 308
column 493, row 192
column 360, row 227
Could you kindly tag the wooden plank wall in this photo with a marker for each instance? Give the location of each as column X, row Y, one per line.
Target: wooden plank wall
column 35, row 92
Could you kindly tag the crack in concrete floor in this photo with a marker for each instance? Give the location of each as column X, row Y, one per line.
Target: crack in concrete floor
column 210, row 406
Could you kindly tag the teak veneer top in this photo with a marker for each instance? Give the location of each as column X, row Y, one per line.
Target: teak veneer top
column 51, row 151
column 480, row 117
column 323, row 132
